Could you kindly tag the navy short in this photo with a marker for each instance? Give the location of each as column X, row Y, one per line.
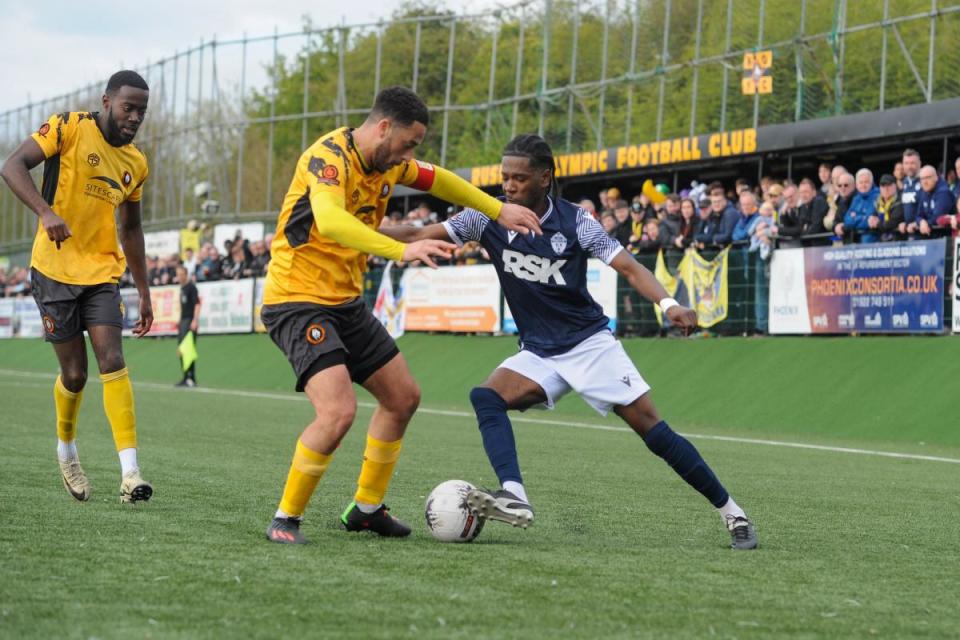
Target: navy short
column 316, row 337
column 68, row 309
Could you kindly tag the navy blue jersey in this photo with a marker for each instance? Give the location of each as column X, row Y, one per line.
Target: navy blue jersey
column 544, row 278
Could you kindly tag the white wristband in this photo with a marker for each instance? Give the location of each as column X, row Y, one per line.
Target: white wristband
column 666, row 303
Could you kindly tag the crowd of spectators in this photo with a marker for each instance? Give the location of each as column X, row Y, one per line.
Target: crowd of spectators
column 911, row 202
column 241, row 258
column 838, row 206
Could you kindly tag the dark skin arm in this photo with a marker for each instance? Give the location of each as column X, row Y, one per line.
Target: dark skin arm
column 650, row 288
column 625, row 264
column 408, row 233
column 16, row 172
column 131, row 237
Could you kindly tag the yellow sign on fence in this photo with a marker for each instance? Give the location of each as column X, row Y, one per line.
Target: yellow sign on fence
column 756, row 73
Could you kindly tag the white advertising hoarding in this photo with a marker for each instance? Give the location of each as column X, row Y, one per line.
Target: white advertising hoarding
column 226, row 306
column 458, row 299
column 161, row 243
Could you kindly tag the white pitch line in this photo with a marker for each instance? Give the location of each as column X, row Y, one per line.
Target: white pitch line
column 289, row 397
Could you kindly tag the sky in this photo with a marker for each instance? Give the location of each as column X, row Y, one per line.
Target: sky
column 60, row 46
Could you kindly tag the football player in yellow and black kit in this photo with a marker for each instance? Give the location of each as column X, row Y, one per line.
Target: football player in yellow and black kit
column 91, row 171
column 313, row 307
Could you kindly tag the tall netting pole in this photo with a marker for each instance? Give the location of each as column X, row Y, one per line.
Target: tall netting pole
column 573, row 73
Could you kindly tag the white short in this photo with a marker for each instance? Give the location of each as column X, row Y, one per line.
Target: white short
column 598, row 369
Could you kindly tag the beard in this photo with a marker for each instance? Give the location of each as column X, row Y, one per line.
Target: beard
column 381, row 158
column 114, row 135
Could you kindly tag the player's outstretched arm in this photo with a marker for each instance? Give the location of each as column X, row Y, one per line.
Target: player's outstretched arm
column 452, row 188
column 419, row 238
column 650, row 288
column 336, row 223
column 131, row 237
column 410, row 233
column 16, row 172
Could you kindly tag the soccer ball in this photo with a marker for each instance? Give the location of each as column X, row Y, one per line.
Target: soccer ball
column 448, row 517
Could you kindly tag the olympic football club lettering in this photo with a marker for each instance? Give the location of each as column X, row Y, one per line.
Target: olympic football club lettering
column 533, row 268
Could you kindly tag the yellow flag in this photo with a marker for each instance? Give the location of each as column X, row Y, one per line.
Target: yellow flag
column 188, row 350
column 706, row 282
column 667, row 279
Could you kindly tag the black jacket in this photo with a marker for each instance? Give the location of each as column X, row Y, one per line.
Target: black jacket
column 807, row 219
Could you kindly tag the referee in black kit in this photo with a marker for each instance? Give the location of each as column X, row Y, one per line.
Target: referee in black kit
column 187, row 330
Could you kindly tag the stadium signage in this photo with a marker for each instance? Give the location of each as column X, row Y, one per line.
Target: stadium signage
column 638, row 156
column 880, row 288
column 455, row 299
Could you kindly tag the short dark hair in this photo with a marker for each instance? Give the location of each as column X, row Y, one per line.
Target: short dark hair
column 911, row 152
column 400, row 105
column 810, row 183
column 125, row 78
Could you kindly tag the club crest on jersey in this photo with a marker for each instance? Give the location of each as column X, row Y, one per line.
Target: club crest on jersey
column 127, row 178
column 385, row 190
column 93, row 160
column 533, row 268
column 324, row 173
column 559, row 242
column 44, row 129
column 315, row 334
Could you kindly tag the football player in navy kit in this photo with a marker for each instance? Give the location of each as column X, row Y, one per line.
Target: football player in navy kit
column 565, row 340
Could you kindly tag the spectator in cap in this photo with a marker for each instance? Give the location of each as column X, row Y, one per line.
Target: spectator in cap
column 621, row 211
column 889, row 210
column 642, row 204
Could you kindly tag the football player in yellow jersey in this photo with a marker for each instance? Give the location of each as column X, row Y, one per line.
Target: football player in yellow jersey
column 313, row 307
column 91, row 171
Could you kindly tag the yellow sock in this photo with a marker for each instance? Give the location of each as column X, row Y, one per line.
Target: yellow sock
column 379, row 459
column 68, row 406
column 305, row 472
column 118, row 405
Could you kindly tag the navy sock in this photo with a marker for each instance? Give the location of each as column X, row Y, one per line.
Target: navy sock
column 497, row 433
column 684, row 458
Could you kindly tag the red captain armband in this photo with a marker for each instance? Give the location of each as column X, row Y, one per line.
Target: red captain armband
column 426, row 173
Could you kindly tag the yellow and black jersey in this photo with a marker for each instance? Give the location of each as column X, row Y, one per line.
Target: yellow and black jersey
column 306, row 266
column 85, row 179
